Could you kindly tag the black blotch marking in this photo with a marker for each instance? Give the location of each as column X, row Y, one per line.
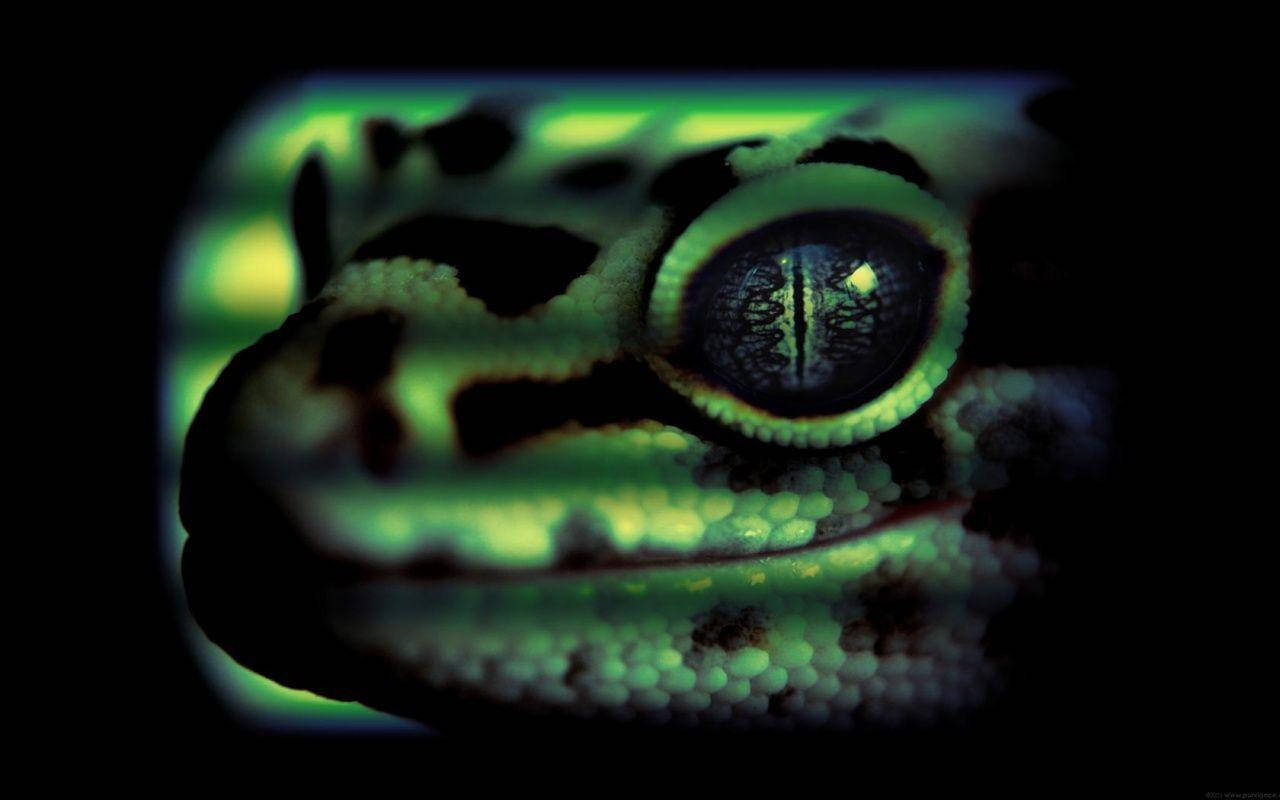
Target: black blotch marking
column 309, row 214
column 510, row 267
column 873, row 153
column 730, row 627
column 387, row 143
column 491, row 416
column 470, row 143
column 596, row 174
column 357, row 352
column 692, row 183
column 381, row 435
column 881, row 615
column 1037, row 276
column 833, row 526
column 579, row 665
column 582, row 540
column 1060, row 111
column 747, row 475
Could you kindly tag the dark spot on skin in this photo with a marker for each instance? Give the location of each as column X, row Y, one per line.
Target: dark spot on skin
column 976, row 415
column 1023, row 438
column 387, row 143
column 893, row 605
column 730, row 627
column 745, row 476
column 880, row 615
column 1003, row 443
column 511, row 268
column 358, row 355
column 778, row 702
column 582, row 540
column 866, row 117
column 381, row 435
column 579, row 665
column 595, row 175
column 470, row 143
column 692, row 183
column 309, row 214
column 873, row 153
column 857, row 635
column 357, row 352
column 833, row 526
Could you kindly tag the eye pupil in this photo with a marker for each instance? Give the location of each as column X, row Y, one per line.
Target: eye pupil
column 812, row 313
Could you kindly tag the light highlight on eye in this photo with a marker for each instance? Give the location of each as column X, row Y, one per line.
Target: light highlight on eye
column 862, row 280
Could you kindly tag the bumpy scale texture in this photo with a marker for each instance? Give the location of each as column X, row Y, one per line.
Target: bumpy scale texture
column 870, row 632
column 639, row 571
column 800, row 639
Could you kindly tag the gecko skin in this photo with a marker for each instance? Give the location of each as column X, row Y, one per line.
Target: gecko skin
column 469, row 482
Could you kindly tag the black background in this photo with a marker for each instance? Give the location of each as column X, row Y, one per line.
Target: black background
column 1192, row 711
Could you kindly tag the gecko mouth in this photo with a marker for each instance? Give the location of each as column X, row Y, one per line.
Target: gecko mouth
column 343, row 634
column 576, row 564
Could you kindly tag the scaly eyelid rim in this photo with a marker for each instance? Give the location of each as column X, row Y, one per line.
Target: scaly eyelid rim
column 803, row 189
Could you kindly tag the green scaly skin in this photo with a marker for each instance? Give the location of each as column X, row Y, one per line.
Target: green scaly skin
column 636, row 572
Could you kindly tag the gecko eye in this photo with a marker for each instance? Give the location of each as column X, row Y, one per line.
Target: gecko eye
column 814, row 307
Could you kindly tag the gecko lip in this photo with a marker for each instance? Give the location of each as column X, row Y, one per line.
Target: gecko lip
column 443, row 569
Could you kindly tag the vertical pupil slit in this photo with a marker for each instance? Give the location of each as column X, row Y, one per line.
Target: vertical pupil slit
column 797, row 276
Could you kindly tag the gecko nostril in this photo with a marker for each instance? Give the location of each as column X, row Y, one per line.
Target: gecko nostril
column 512, row 268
